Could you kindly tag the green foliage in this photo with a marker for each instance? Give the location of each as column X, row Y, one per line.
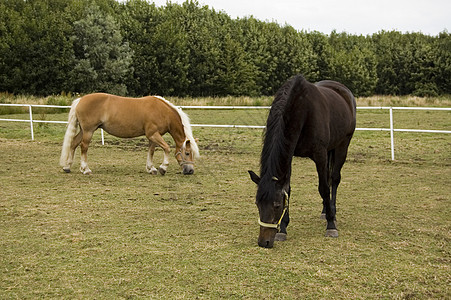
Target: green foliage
column 442, row 62
column 60, row 100
column 138, row 21
column 411, row 64
column 136, row 48
column 35, row 48
column 102, row 59
column 353, row 63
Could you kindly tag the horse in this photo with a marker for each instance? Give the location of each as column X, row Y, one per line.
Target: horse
column 123, row 117
column 305, row 120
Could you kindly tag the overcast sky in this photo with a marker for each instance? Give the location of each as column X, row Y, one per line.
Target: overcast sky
column 353, row 16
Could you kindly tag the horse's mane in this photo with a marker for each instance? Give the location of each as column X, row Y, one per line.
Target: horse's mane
column 186, row 127
column 277, row 147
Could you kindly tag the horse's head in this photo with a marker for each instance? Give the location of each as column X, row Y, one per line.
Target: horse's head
column 272, row 203
column 185, row 157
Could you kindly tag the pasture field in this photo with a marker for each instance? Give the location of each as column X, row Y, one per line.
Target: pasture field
column 122, row 233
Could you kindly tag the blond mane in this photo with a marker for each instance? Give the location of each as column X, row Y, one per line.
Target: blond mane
column 186, row 127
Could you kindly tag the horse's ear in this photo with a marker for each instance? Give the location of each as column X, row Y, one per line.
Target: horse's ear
column 254, row 177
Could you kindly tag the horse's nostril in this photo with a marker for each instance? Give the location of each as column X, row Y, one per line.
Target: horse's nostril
column 265, row 244
column 188, row 171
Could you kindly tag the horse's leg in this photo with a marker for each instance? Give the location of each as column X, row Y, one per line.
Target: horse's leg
column 321, row 161
column 86, row 139
column 73, row 145
column 282, row 234
column 330, row 166
column 158, row 139
column 149, row 165
column 338, row 162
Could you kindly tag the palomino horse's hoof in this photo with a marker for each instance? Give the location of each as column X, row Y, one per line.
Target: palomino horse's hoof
column 280, row 237
column 67, row 170
column 152, row 170
column 86, row 172
column 331, row 233
column 162, row 171
column 323, row 216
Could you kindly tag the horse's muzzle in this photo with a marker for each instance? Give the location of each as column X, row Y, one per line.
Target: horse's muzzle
column 188, row 169
column 266, row 237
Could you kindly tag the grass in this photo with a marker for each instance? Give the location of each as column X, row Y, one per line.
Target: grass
column 443, row 101
column 121, row 233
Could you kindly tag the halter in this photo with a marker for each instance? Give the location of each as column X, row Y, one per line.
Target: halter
column 277, row 225
column 183, row 161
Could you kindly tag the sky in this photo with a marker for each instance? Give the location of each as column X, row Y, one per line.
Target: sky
column 352, row 16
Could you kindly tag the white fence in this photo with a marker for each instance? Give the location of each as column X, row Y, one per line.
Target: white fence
column 391, row 128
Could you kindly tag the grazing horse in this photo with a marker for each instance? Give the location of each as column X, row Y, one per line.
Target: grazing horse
column 305, row 120
column 126, row 118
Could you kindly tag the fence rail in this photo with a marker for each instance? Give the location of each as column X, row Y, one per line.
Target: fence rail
column 391, row 129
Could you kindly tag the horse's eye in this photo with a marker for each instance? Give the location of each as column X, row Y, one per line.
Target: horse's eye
column 277, row 204
column 187, row 153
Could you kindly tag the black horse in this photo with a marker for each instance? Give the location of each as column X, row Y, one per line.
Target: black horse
column 306, row 120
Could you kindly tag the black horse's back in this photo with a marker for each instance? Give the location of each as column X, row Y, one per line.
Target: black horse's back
column 342, row 90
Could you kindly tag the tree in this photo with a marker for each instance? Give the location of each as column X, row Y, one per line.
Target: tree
column 134, row 47
column 254, row 40
column 35, row 47
column 394, row 63
column 442, row 62
column 139, row 21
column 286, row 53
column 11, row 34
column 353, row 63
column 423, row 70
column 323, row 53
column 170, row 57
column 235, row 74
column 103, row 60
column 203, row 45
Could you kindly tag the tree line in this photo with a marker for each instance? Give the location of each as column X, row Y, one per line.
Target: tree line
column 136, row 48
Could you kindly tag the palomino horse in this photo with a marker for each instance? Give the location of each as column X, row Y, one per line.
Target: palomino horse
column 126, row 118
column 306, row 120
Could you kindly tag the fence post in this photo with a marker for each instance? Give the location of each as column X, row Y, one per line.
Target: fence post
column 31, row 122
column 392, row 142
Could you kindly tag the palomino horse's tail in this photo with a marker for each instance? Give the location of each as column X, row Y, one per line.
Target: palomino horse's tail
column 71, row 131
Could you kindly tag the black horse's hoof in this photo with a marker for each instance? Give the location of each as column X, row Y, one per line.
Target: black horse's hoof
column 280, row 237
column 332, row 233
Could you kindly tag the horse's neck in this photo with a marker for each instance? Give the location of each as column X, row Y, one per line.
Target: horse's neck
column 287, row 122
column 177, row 131
column 279, row 155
